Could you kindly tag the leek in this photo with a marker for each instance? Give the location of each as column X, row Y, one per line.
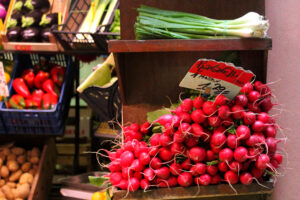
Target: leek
column 156, row 23
column 109, row 12
column 98, row 15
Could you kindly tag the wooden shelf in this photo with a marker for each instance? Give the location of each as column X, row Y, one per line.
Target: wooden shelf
column 174, row 45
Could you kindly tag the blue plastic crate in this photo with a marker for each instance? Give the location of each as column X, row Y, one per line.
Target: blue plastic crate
column 40, row 122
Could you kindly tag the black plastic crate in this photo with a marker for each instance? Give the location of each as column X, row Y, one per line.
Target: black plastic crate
column 74, row 41
column 40, row 122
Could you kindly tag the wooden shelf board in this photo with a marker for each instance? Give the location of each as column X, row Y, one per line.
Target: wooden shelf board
column 174, row 45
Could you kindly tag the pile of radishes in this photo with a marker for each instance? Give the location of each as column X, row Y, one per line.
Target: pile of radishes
column 203, row 141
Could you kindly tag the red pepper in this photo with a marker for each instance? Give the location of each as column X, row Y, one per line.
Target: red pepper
column 17, row 101
column 49, row 101
column 49, row 87
column 28, row 77
column 21, row 88
column 58, row 74
column 40, row 78
column 37, row 96
column 30, row 103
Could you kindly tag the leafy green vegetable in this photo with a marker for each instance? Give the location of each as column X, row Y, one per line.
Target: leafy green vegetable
column 98, row 181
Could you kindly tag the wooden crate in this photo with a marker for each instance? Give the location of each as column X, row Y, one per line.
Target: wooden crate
column 61, row 6
column 42, row 180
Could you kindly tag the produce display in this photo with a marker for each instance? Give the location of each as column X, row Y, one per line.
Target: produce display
column 30, row 21
column 17, row 170
column 38, row 87
column 155, row 23
column 203, row 140
column 8, row 67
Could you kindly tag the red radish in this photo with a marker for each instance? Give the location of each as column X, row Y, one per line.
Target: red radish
column 186, row 165
column 175, row 169
column 137, row 165
column 266, row 104
column 162, row 173
column 215, row 179
column 221, row 100
column 155, row 163
column 210, row 155
column 247, row 88
column 249, row 118
column 214, row 121
column 115, row 178
column 254, row 96
column 228, row 122
column 145, row 184
column 132, row 135
column 237, row 112
column 258, row 85
column 175, row 121
column 240, row 154
column 115, row 166
column 232, row 141
column 165, row 140
column 245, row 165
column 246, row 178
column 198, row 116
column 270, row 131
column 165, row 154
column 119, row 152
column 155, row 140
column 220, row 129
column 172, row 181
column 197, row 154
column 241, row 100
column 198, row 102
column 254, row 107
column 243, row 132
column 260, row 137
column 126, row 158
column 184, row 127
column 191, row 141
column 226, row 155
column 140, row 149
column 231, row 177
column 134, row 127
column 185, row 179
column 168, row 118
column 197, row 130
column 222, row 167
column 224, row 112
column 198, row 169
column 169, row 128
column 216, row 149
column 252, row 141
column 144, row 129
column 187, row 105
column 274, row 163
column 272, row 144
column 111, row 155
column 209, row 107
column 138, row 175
column 254, row 153
column 278, row 157
column 218, row 139
column 262, row 161
column 257, row 173
column 123, row 184
column 131, row 145
column 264, row 117
column 185, row 117
column 178, row 137
column 211, row 170
column 153, row 151
column 235, row 166
column 127, row 173
column 204, row 179
column 133, row 184
column 149, row 174
column 177, row 148
column 258, row 126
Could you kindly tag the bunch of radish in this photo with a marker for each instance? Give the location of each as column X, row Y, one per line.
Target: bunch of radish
column 204, row 141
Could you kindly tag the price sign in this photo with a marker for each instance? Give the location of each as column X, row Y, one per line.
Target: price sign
column 216, row 77
column 22, row 47
column 3, row 85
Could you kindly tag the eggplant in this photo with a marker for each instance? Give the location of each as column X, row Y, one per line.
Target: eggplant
column 31, row 19
column 31, row 34
column 49, row 20
column 15, row 20
column 45, row 34
column 14, row 34
column 41, row 5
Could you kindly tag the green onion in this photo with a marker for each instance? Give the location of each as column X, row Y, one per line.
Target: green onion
column 156, row 23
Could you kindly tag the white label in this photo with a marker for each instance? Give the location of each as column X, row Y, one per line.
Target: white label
column 3, row 85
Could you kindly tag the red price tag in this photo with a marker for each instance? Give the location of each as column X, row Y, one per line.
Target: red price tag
column 22, row 47
column 221, row 78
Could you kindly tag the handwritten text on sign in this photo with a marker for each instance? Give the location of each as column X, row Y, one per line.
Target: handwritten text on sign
column 221, row 78
column 3, row 85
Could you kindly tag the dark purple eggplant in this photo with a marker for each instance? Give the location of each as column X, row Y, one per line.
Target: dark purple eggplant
column 31, row 34
column 14, row 34
column 31, row 19
column 49, row 20
column 45, row 34
column 15, row 20
column 41, row 5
